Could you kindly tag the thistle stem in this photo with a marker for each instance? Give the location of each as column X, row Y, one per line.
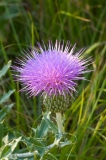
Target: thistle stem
column 59, row 122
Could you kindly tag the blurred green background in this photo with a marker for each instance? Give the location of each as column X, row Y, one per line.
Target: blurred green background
column 24, row 23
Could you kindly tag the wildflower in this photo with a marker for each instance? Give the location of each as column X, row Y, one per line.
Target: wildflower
column 52, row 71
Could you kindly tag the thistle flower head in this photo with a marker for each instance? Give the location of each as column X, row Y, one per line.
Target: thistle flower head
column 53, row 70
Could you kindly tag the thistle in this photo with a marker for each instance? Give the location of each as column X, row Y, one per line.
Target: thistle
column 52, row 71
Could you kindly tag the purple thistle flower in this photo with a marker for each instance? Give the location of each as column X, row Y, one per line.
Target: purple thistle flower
column 52, row 70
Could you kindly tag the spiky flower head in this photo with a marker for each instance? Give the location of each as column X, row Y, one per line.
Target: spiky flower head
column 52, row 70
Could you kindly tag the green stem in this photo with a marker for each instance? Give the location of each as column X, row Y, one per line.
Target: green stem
column 59, row 122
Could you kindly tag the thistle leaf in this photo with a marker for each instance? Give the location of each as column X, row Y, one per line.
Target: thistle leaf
column 7, row 149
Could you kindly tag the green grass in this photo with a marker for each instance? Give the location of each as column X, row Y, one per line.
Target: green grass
column 82, row 22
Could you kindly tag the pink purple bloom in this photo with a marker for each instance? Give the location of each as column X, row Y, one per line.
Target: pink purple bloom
column 53, row 70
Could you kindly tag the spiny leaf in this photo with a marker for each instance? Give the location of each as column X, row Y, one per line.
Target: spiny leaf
column 7, row 149
column 51, row 124
column 31, row 143
column 42, row 129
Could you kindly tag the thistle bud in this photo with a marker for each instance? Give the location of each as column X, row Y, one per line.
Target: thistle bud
column 57, row 103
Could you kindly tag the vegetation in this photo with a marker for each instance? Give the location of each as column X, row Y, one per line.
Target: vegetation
column 24, row 23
